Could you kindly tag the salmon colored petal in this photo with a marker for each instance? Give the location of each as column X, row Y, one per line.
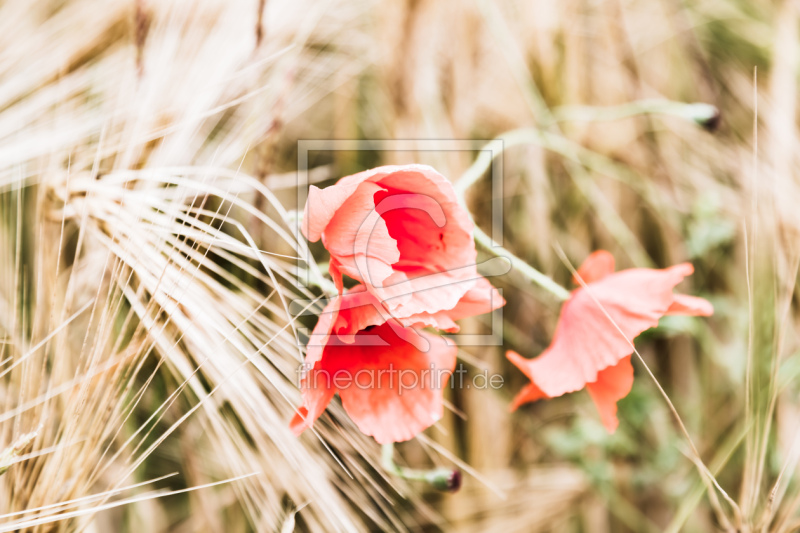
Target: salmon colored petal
column 321, row 206
column 375, row 399
column 597, row 326
column 519, row 361
column 424, row 292
column 481, row 298
column 357, row 231
column 529, row 393
column 335, row 270
column 690, row 305
column 357, row 310
column 317, row 394
column 598, row 265
column 434, row 236
column 613, row 384
column 370, row 269
column 360, row 309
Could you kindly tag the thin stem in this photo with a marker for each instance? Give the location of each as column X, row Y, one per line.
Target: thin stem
column 8, row 455
column 700, row 113
column 444, row 479
column 387, row 458
column 521, row 266
column 469, row 178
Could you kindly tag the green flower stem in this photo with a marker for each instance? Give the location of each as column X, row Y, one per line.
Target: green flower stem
column 470, row 177
column 700, row 113
column 387, row 458
column 521, row 266
column 443, row 479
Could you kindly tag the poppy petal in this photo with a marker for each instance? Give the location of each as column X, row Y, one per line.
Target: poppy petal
column 321, row 206
column 684, row 304
column 360, row 309
column 396, row 390
column 315, row 386
column 360, row 231
column 317, row 394
column 321, row 333
column 613, row 384
column 597, row 326
column 481, row 298
column 598, row 265
column 423, row 214
column 429, row 292
column 529, row 393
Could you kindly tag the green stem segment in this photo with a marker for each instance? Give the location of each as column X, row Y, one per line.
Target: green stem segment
column 704, row 115
column 444, row 479
column 470, row 177
column 521, row 266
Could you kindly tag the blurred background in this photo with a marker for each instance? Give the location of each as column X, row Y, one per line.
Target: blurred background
column 148, row 188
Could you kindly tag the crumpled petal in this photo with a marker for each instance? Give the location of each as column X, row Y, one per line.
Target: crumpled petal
column 593, row 340
column 390, row 389
column 530, row 392
column 684, row 304
column 359, row 309
column 395, row 406
column 598, row 265
column 358, row 231
column 598, row 323
column 613, row 384
column 322, row 205
column 321, row 333
column 481, row 298
column 316, row 388
column 317, row 394
column 353, row 336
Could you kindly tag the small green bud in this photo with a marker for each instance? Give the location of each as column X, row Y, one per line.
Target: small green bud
column 706, row 116
column 444, row 479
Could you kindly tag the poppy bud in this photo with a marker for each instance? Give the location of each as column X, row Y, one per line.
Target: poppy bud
column 706, row 116
column 444, row 479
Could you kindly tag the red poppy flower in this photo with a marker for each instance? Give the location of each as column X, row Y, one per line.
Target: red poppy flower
column 592, row 343
column 390, row 378
column 401, row 232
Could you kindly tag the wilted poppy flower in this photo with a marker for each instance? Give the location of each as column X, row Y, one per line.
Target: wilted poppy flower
column 592, row 343
column 390, row 378
column 401, row 232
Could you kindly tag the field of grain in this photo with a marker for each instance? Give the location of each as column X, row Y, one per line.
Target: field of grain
column 149, row 155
